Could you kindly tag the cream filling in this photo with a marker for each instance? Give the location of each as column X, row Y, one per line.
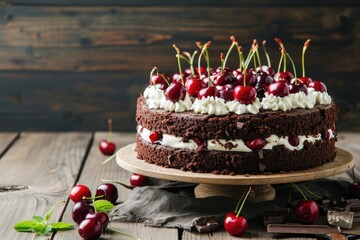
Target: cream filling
column 238, row 108
column 238, row 144
column 210, row 105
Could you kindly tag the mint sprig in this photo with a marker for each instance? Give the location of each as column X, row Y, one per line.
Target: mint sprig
column 103, row 205
column 40, row 226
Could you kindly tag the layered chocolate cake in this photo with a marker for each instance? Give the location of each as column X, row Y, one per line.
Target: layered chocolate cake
column 247, row 120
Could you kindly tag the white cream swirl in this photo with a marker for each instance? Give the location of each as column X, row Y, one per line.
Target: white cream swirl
column 210, row 105
column 179, row 106
column 239, row 108
column 154, row 97
column 301, row 100
column 270, row 101
column 321, row 97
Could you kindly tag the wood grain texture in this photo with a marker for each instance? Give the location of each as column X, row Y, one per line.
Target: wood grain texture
column 45, row 165
column 91, row 176
column 6, row 140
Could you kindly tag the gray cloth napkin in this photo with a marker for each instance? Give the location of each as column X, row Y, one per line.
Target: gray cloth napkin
column 163, row 205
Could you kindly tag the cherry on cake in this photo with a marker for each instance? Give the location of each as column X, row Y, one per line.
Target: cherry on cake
column 252, row 119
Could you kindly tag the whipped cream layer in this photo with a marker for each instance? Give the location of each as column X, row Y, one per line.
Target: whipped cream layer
column 236, row 145
column 156, row 99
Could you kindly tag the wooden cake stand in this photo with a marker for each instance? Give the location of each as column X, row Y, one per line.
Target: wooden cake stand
column 232, row 186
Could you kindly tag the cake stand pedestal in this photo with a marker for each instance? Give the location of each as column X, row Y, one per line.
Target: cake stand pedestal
column 232, row 186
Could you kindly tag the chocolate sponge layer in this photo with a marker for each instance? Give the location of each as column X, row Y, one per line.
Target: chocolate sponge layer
column 276, row 160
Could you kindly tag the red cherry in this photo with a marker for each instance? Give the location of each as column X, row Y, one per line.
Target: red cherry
column 193, row 86
column 155, row 137
column 159, row 78
column 297, row 86
column 284, row 76
column 78, row 193
column 225, row 92
column 138, row 180
column 279, row 88
column 223, row 78
column 354, row 189
column 256, row 144
column 306, row 80
column 108, row 191
column 202, row 70
column 250, row 78
column 175, row 92
column 90, row 229
column 266, row 69
column 307, row 211
column 234, row 225
column 200, row 142
column 80, row 210
column 264, row 78
column 294, row 140
column 244, row 94
column 318, row 86
column 102, row 217
column 107, row 148
column 208, row 92
column 176, row 78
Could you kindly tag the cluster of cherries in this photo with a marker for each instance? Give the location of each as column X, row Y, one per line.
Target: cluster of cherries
column 244, row 84
column 91, row 223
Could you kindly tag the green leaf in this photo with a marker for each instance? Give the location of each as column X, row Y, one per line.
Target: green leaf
column 39, row 228
column 25, row 226
column 50, row 212
column 38, row 218
column 103, row 205
column 61, row 226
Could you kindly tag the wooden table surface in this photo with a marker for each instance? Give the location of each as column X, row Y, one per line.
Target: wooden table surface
column 37, row 170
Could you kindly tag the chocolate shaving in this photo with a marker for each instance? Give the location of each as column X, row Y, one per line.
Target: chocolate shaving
column 207, row 224
column 239, row 125
column 261, row 153
column 262, row 167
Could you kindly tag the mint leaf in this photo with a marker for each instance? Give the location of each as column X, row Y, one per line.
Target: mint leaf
column 50, row 212
column 61, row 226
column 25, row 226
column 38, row 218
column 103, row 205
column 39, row 228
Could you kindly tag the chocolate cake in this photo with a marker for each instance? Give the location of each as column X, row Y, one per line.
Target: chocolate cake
column 235, row 121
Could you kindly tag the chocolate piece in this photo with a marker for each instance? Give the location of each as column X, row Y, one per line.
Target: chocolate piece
column 239, row 125
column 273, row 217
column 302, row 229
column 207, row 224
column 262, row 167
column 340, row 219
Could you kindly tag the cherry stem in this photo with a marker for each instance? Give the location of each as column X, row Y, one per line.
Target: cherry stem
column 109, row 129
column 297, row 188
column 306, row 44
column 122, row 184
column 222, row 62
column 164, row 78
column 154, row 70
column 241, row 57
column 238, row 204
column 179, row 63
column 206, row 55
column 257, row 53
column 192, row 63
column 251, row 55
column 108, row 159
column 232, row 38
column 243, row 202
column 309, row 191
column 266, row 53
column 293, row 64
column 284, row 66
column 280, row 62
column 122, row 233
column 283, row 52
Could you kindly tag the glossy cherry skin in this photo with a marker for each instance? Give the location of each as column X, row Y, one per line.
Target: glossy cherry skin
column 177, row 77
column 102, row 217
column 298, row 86
column 294, row 141
column 90, row 229
column 159, row 78
column 80, row 210
column 250, row 78
column 266, row 69
column 202, row 70
column 284, row 76
column 108, row 191
column 318, row 86
column 155, row 137
column 138, row 180
column 306, row 80
column 256, row 144
column 354, row 189
column 78, row 192
column 236, row 226
column 223, row 78
column 265, row 79
column 279, row 88
column 307, row 211
column 106, row 147
column 175, row 92
column 244, row 94
column 194, row 85
column 225, row 92
column 208, row 92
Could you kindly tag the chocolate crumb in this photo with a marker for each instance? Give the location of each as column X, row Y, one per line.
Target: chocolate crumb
column 261, row 153
column 262, row 167
column 239, row 125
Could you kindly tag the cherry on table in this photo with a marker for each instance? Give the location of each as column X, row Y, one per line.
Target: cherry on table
column 318, row 86
column 244, row 94
column 208, row 92
column 279, row 88
column 108, row 191
column 102, row 217
column 90, row 229
column 175, row 92
column 80, row 210
column 235, row 225
column 106, row 147
column 307, row 211
column 138, row 180
column 194, row 85
column 78, row 193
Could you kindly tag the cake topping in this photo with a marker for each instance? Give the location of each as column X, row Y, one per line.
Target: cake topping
column 304, row 79
column 210, row 105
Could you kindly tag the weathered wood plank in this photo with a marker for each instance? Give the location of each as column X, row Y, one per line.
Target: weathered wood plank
column 91, row 176
column 119, row 38
column 6, row 140
column 229, row 3
column 45, row 165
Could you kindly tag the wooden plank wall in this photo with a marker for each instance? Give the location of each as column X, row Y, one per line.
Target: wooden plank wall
column 69, row 65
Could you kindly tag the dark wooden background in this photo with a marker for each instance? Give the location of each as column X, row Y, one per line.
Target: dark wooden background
column 71, row 64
